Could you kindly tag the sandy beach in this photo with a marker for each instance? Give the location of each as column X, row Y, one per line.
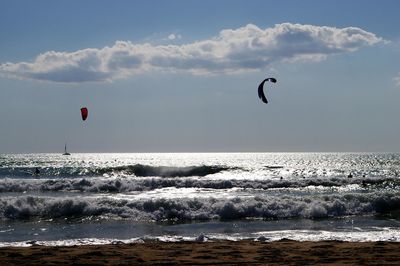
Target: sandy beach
column 283, row 252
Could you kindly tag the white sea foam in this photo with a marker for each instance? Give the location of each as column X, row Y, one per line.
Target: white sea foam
column 385, row 234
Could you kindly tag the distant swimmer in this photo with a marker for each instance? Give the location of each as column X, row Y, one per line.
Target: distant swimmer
column 274, row 167
column 37, row 171
column 350, row 176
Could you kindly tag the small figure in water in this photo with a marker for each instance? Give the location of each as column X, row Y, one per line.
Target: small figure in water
column 350, row 175
column 37, row 171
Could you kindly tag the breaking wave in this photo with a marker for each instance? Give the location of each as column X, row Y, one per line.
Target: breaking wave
column 127, row 184
column 139, row 170
column 166, row 171
column 188, row 209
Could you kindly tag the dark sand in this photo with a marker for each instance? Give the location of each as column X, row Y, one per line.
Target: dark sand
column 283, row 252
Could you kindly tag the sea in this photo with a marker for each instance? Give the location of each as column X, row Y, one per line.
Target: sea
column 59, row 200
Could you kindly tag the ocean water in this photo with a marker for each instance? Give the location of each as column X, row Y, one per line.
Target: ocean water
column 113, row 198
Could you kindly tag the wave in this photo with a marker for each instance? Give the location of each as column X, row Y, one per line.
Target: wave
column 139, row 170
column 166, row 171
column 128, row 184
column 189, row 209
column 386, row 234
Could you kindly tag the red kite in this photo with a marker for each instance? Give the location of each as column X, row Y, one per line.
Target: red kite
column 84, row 113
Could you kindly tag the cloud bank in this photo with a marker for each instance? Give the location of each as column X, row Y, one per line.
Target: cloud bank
column 239, row 50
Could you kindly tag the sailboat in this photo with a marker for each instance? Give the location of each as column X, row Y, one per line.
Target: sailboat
column 65, row 150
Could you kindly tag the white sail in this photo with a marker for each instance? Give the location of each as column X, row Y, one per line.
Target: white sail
column 65, row 150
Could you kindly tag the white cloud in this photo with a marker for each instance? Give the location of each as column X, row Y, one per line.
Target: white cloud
column 397, row 80
column 247, row 48
column 173, row 36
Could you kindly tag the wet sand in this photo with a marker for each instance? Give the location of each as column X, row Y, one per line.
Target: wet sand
column 284, row 252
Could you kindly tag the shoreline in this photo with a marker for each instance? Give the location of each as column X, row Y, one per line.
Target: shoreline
column 218, row 252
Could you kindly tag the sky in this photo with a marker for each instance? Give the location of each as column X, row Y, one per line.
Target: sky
column 182, row 76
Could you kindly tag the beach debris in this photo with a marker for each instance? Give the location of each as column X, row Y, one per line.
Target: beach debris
column 201, row 238
column 261, row 94
column 262, row 239
column 84, row 113
column 32, row 242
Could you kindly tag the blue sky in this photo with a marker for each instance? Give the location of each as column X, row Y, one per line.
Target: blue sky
column 182, row 76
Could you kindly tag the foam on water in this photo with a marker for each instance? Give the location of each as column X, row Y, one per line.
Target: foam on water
column 391, row 235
